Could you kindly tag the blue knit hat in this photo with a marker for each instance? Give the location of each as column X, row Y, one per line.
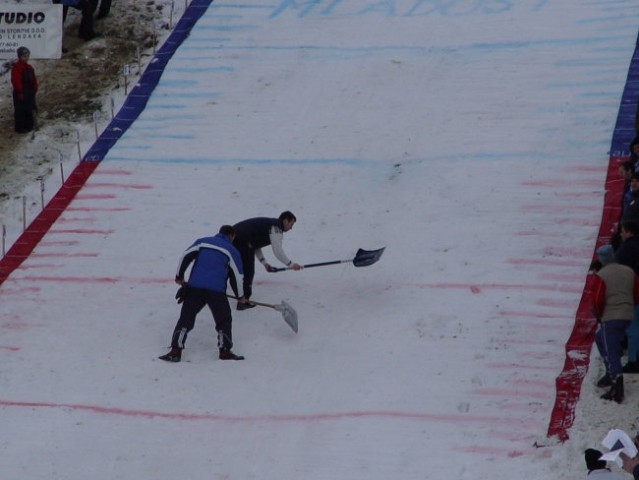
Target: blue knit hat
column 606, row 254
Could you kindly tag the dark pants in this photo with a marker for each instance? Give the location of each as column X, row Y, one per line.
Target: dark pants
column 194, row 302
column 105, row 8
column 248, row 263
column 23, row 113
column 87, row 7
column 608, row 339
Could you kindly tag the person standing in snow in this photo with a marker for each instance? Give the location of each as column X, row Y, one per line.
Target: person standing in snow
column 615, row 292
column 215, row 261
column 597, row 468
column 251, row 236
column 25, row 86
column 628, row 254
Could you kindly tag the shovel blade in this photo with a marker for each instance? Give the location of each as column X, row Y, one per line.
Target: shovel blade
column 364, row 258
column 288, row 313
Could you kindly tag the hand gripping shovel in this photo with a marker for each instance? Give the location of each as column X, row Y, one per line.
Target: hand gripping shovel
column 363, row 258
column 288, row 313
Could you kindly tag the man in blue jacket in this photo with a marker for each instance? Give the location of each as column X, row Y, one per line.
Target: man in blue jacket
column 215, row 260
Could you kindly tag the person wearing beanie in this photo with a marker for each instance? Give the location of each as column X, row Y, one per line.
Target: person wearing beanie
column 598, row 469
column 25, row 86
column 615, row 292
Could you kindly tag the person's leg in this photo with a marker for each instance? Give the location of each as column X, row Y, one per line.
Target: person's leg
column 105, row 8
column 88, row 7
column 219, row 304
column 193, row 304
column 21, row 116
column 632, row 332
column 601, row 346
column 614, row 331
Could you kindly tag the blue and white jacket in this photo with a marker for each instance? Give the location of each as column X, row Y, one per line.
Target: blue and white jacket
column 216, row 260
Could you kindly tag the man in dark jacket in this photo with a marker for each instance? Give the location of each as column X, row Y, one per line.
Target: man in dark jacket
column 215, row 260
column 628, row 254
column 25, row 86
column 253, row 234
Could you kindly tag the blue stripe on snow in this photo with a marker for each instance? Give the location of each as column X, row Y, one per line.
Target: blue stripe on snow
column 139, row 96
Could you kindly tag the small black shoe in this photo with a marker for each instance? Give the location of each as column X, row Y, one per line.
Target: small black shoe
column 604, row 381
column 174, row 356
column 631, row 367
column 616, row 392
column 244, row 306
column 227, row 354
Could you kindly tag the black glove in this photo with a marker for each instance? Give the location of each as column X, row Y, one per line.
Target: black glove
column 271, row 269
column 180, row 295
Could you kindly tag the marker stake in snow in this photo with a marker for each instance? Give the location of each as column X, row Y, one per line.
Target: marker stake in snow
column 126, row 71
column 95, row 124
column 77, row 140
column 24, row 213
column 41, row 180
column 61, row 167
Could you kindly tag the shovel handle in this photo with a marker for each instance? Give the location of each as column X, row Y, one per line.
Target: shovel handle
column 311, row 265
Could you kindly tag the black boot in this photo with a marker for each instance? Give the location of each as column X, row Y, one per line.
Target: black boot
column 227, row 354
column 175, row 355
column 616, row 390
column 604, row 381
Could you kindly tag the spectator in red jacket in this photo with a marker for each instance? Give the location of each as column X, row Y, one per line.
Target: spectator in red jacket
column 615, row 292
column 25, row 86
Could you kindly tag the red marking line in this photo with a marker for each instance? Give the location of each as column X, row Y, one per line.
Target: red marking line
column 554, row 316
column 95, row 196
column 118, row 185
column 33, row 278
column 518, row 366
column 98, row 209
column 84, row 231
column 505, row 392
column 64, row 255
column 65, row 243
column 102, row 171
column 316, row 417
column 563, row 182
column 544, row 261
column 554, row 208
column 476, row 288
column 12, row 349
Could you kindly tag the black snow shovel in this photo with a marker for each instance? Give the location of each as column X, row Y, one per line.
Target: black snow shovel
column 288, row 313
column 363, row 258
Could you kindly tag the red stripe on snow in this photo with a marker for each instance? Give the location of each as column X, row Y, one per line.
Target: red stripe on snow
column 568, row 383
column 25, row 244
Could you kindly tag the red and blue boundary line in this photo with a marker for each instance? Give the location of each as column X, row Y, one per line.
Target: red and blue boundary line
column 134, row 105
column 579, row 344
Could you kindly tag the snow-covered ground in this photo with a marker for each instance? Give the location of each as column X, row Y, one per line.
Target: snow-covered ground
column 469, row 138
